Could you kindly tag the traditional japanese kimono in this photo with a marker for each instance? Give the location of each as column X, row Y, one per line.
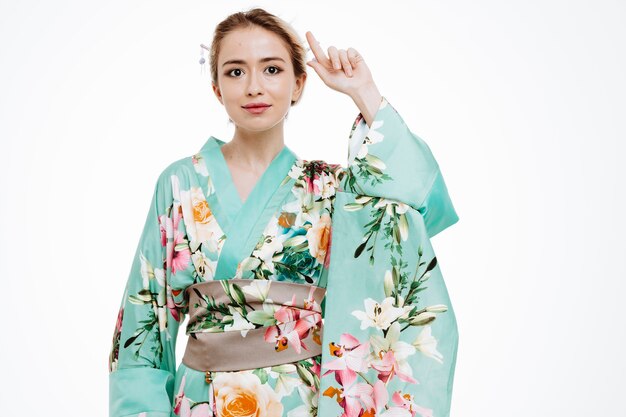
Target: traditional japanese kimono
column 320, row 295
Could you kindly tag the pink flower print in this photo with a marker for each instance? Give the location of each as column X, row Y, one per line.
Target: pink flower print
column 347, row 394
column 170, row 237
column 171, row 305
column 182, row 404
column 311, row 184
column 365, row 400
column 201, row 410
column 312, row 171
column 120, row 317
column 285, row 333
column 287, row 313
column 352, row 406
column 374, row 398
column 166, row 227
column 316, row 369
column 177, row 213
column 293, row 325
column 406, row 401
column 387, row 367
column 181, row 253
column 350, row 355
column 169, row 225
column 377, row 400
column 310, row 303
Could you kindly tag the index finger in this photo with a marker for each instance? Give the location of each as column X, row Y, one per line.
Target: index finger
column 317, row 50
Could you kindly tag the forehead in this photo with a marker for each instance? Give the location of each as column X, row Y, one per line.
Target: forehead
column 251, row 44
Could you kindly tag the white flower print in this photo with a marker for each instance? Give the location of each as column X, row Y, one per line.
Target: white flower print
column 258, row 289
column 427, row 344
column 239, row 323
column 379, row 315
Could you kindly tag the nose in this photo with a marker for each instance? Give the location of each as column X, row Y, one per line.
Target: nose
column 254, row 84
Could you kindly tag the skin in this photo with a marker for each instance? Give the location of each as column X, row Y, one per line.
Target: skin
column 258, row 138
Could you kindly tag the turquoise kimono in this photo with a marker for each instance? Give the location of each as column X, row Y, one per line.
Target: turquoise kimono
column 361, row 233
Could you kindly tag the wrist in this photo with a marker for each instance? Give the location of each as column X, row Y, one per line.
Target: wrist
column 365, row 91
column 367, row 98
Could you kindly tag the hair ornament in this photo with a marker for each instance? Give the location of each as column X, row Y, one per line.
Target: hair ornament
column 202, row 59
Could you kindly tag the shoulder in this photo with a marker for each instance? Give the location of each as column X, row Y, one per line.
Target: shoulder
column 175, row 174
column 178, row 167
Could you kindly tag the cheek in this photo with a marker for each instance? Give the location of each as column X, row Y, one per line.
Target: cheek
column 282, row 91
column 282, row 83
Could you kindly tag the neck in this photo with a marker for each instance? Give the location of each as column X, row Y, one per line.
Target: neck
column 253, row 151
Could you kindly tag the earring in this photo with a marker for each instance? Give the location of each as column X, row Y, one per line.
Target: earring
column 202, row 61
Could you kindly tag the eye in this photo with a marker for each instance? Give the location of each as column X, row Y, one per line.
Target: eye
column 230, row 72
column 276, row 71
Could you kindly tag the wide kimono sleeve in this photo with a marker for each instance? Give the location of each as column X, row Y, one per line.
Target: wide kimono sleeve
column 142, row 362
column 387, row 160
column 390, row 334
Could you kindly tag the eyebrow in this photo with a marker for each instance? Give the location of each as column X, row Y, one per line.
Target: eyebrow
column 241, row 61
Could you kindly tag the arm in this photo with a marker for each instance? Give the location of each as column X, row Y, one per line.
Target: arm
column 390, row 331
column 142, row 361
column 387, row 160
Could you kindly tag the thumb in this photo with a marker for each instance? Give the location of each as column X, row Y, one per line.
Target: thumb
column 319, row 69
column 316, row 66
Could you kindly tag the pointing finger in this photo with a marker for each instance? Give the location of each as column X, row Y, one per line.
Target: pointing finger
column 317, row 50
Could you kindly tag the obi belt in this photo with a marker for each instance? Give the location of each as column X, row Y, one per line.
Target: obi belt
column 239, row 324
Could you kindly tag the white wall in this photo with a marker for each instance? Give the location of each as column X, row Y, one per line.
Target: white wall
column 521, row 102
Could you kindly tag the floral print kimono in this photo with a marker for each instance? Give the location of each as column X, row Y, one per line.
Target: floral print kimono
column 320, row 295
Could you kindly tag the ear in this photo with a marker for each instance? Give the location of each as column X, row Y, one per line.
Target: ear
column 300, row 82
column 217, row 92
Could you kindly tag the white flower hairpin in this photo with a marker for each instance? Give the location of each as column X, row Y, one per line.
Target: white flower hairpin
column 202, row 61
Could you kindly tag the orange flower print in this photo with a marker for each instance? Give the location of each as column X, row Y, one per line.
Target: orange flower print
column 318, row 236
column 202, row 212
column 286, row 219
column 241, row 394
column 199, row 219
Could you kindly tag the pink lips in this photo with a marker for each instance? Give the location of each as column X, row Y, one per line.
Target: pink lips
column 258, row 104
column 257, row 108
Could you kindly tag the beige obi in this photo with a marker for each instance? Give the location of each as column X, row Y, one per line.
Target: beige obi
column 239, row 324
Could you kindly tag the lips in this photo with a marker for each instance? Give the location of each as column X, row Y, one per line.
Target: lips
column 255, row 105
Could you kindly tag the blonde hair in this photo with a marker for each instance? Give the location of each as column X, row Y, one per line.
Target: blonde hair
column 261, row 18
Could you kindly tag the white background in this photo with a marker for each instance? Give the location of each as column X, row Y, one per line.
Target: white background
column 522, row 103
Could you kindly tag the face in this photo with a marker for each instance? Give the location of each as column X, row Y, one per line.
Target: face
column 254, row 66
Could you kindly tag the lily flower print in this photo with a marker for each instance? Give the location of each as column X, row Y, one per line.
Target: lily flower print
column 351, row 355
column 392, row 343
column 183, row 405
column 427, row 344
column 379, row 315
column 406, row 401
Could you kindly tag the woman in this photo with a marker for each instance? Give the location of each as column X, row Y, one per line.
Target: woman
column 240, row 238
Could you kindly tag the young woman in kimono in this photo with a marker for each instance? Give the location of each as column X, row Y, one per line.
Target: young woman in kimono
column 311, row 288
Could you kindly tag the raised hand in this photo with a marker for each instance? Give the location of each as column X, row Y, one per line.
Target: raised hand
column 342, row 70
